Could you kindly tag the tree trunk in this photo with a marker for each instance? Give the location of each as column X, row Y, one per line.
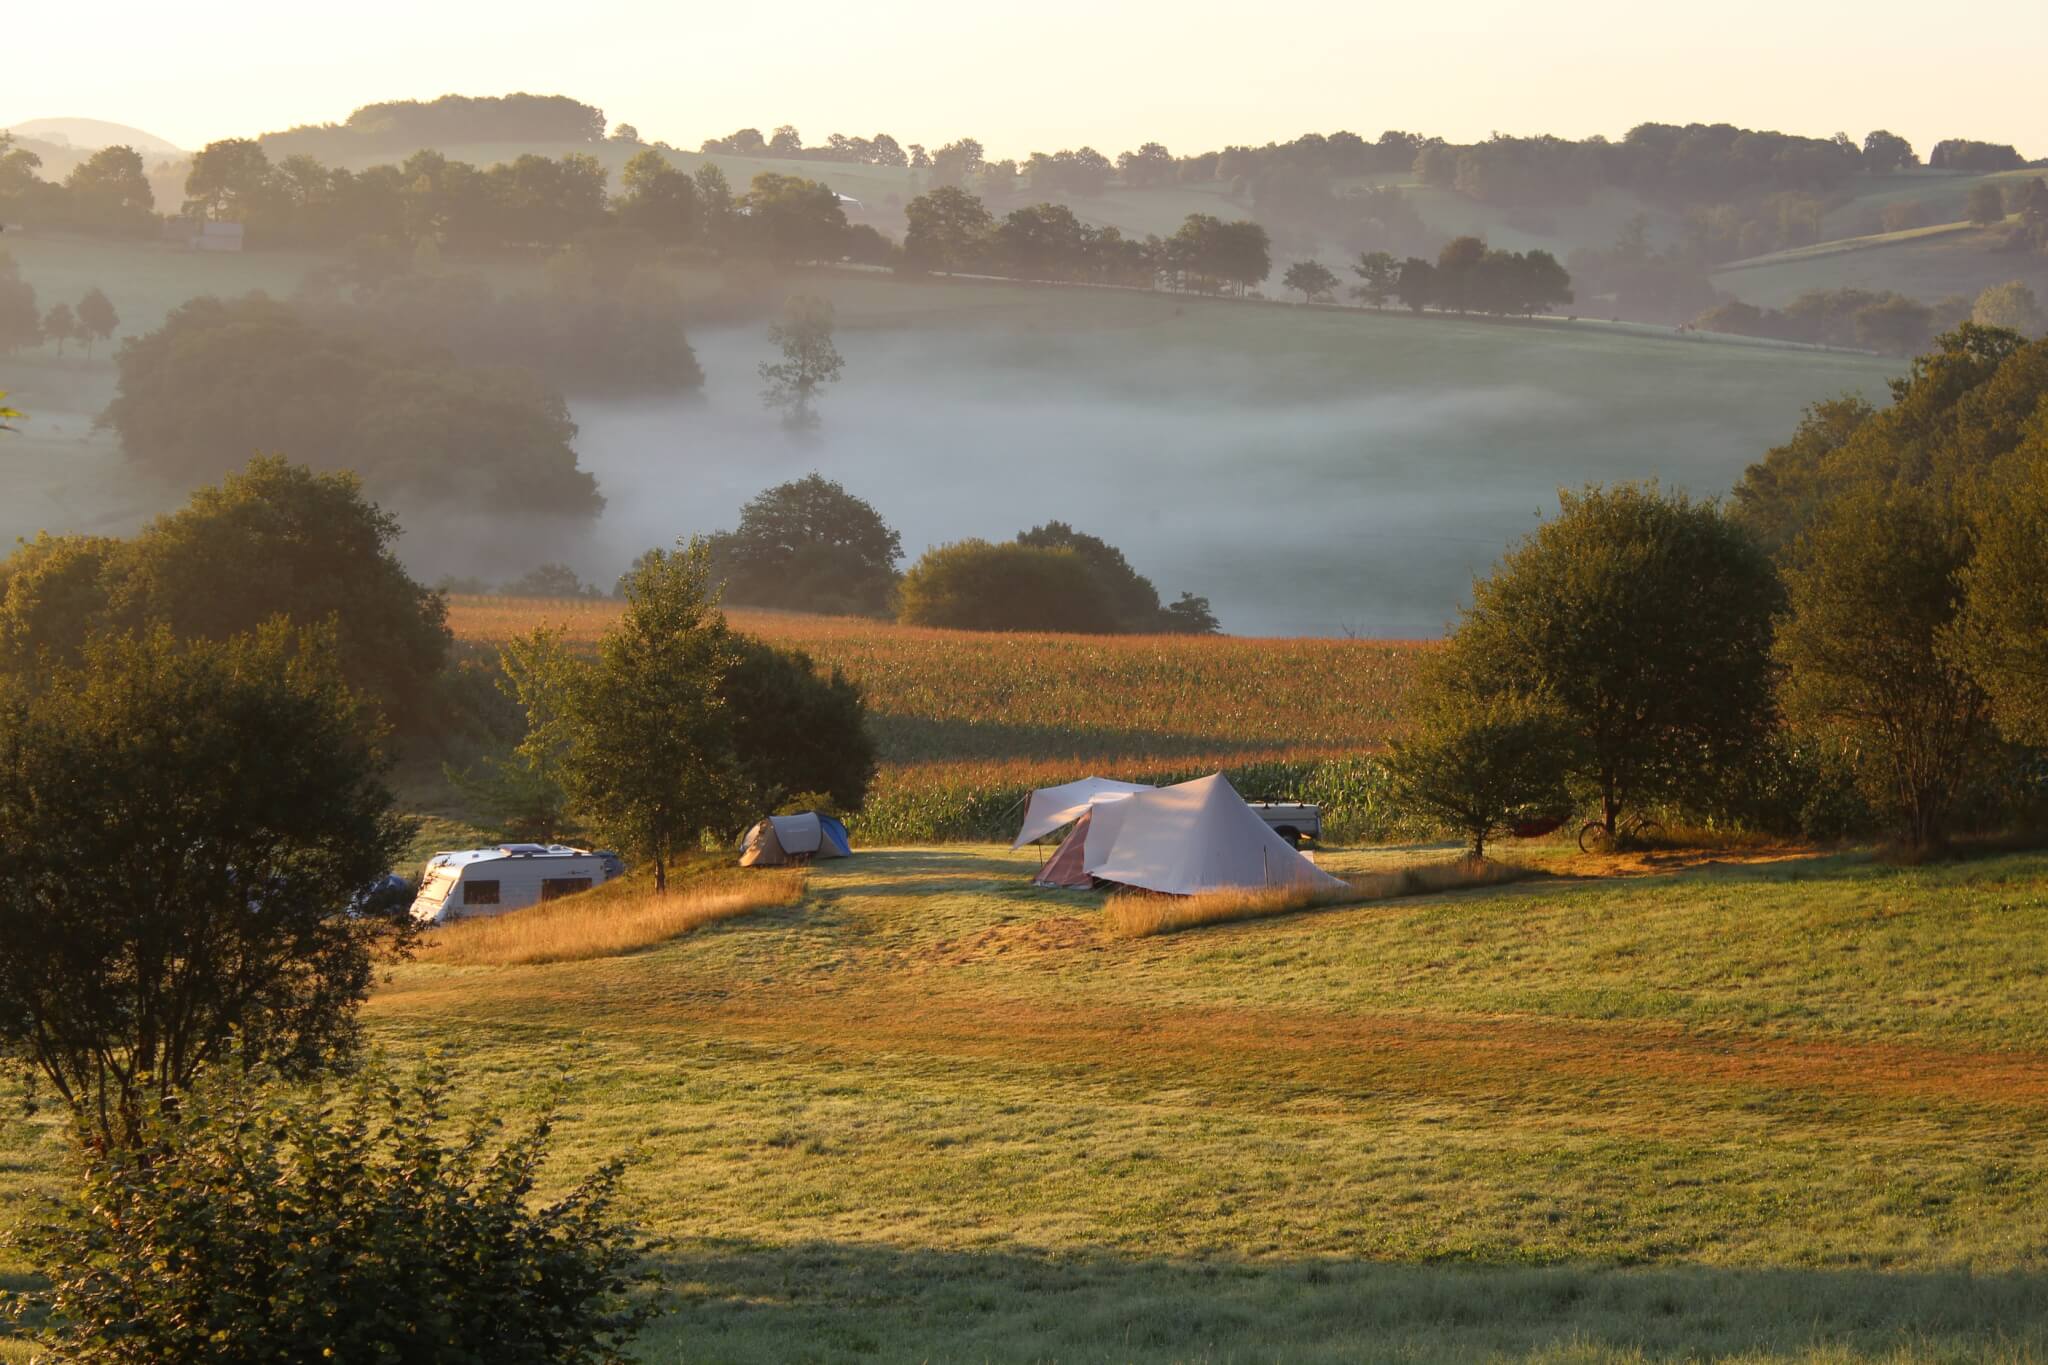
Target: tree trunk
column 660, row 875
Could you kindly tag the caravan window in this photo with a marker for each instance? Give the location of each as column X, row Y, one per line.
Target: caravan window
column 562, row 886
column 480, row 893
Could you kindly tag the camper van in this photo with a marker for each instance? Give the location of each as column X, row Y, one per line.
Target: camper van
column 490, row 881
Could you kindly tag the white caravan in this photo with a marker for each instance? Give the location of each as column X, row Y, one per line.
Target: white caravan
column 490, row 881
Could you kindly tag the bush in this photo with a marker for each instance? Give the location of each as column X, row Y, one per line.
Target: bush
column 264, row 1223
column 795, row 731
column 974, row 585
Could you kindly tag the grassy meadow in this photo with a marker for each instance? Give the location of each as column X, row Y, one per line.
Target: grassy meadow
column 1771, row 1110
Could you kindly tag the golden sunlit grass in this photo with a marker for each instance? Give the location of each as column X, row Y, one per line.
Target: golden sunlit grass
column 1141, row 914
column 595, row 925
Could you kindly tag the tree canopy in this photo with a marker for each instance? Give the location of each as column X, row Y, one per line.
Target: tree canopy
column 809, row 545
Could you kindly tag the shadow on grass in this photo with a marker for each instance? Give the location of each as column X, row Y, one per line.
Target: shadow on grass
column 833, row 1302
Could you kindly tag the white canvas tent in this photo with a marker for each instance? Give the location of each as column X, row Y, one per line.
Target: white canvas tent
column 1197, row 836
column 1051, row 807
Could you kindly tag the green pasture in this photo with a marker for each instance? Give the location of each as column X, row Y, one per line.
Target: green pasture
column 1786, row 1110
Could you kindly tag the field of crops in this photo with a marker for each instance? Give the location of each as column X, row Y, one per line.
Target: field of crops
column 968, row 722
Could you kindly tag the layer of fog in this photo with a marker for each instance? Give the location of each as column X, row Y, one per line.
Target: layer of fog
column 1294, row 509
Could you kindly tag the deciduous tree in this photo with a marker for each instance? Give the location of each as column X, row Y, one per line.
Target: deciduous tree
column 639, row 736
column 809, row 362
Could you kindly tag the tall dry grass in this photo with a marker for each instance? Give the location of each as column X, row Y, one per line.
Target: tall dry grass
column 1140, row 914
column 596, row 925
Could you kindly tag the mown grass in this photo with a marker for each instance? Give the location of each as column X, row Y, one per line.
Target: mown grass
column 1766, row 1111
column 595, row 924
column 1138, row 914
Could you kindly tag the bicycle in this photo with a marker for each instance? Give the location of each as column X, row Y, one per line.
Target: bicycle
column 1633, row 831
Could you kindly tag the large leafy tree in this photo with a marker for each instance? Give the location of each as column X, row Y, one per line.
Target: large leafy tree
column 275, row 540
column 947, row 229
column 1869, row 647
column 639, row 737
column 110, row 191
column 1646, row 617
column 228, row 180
column 809, row 545
column 1130, row 596
column 190, row 828
column 659, row 199
column 789, row 218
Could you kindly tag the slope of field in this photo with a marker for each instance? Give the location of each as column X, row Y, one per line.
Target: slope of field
column 1928, row 264
column 1791, row 1111
column 968, row 723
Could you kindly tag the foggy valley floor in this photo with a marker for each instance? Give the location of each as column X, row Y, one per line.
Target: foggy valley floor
column 1311, row 471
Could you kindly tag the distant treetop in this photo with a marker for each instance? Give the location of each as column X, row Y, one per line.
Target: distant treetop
column 407, row 125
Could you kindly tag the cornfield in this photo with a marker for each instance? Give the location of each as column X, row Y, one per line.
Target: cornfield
column 968, row 723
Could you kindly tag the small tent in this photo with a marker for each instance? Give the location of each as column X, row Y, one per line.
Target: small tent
column 1196, row 836
column 784, row 839
column 1051, row 807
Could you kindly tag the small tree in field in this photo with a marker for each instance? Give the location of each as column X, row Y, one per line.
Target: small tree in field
column 61, row 325
column 1312, row 279
column 809, row 362
column 1481, row 763
column 96, row 319
column 189, row 825
column 638, row 737
column 262, row 1222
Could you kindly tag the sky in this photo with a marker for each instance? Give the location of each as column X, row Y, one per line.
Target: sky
column 1194, row 74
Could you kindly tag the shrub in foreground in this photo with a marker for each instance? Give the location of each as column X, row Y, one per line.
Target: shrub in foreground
column 270, row 1223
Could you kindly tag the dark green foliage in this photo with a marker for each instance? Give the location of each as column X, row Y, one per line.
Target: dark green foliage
column 1868, row 646
column 1312, row 279
column 221, row 379
column 639, row 738
column 1479, row 763
column 274, row 540
column 948, row 229
column 974, row 585
column 2006, row 588
column 549, row 580
column 793, row 219
column 809, row 545
column 1776, row 497
column 1965, row 154
column 794, row 731
column 1132, row 600
column 1646, row 617
column 277, row 539
column 188, row 824
column 265, row 1223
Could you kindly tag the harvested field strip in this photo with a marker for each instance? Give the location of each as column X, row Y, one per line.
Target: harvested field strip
column 596, row 925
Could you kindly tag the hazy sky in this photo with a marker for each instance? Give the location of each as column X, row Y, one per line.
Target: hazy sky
column 1194, row 74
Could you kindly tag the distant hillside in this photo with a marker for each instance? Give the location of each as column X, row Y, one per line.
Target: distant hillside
column 91, row 134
